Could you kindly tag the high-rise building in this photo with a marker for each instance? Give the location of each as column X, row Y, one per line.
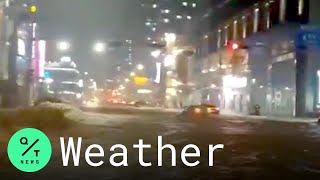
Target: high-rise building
column 173, row 27
column 163, row 16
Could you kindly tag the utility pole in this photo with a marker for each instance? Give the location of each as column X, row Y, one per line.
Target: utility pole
column 32, row 9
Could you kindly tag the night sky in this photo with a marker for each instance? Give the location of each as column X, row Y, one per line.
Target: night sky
column 82, row 22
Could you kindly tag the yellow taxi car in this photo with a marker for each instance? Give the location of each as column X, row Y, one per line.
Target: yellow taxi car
column 200, row 111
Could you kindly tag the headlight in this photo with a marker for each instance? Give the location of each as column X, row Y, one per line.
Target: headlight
column 92, row 104
column 78, row 95
column 212, row 110
column 197, row 110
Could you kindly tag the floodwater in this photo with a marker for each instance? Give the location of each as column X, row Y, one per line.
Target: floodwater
column 253, row 149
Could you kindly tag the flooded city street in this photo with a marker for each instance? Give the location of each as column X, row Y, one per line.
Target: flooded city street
column 254, row 149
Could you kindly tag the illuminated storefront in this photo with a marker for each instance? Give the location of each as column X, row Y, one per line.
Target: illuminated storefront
column 282, row 77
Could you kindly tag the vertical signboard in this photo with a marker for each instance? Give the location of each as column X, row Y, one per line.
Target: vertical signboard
column 42, row 57
column 39, row 58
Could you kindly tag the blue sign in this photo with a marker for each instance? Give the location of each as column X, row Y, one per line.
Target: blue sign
column 46, row 75
column 308, row 38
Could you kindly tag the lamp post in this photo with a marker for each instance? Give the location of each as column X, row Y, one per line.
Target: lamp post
column 140, row 67
column 156, row 53
column 63, row 46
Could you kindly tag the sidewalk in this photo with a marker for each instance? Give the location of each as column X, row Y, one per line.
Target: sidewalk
column 268, row 118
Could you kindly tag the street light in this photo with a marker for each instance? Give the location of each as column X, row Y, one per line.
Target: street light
column 140, row 67
column 170, row 37
column 169, row 60
column 156, row 53
column 132, row 74
column 99, row 47
column 63, row 46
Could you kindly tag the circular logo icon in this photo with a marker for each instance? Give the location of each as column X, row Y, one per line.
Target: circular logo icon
column 29, row 150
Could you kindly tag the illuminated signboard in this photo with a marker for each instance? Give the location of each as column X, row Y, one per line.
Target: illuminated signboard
column 140, row 81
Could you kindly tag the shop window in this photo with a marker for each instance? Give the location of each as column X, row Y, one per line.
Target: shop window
column 280, row 79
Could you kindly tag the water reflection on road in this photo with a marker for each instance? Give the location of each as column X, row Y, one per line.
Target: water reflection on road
column 253, row 149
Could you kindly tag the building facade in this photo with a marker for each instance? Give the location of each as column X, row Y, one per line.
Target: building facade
column 251, row 57
column 17, row 36
column 173, row 24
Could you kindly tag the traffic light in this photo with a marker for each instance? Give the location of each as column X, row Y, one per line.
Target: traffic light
column 33, row 9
